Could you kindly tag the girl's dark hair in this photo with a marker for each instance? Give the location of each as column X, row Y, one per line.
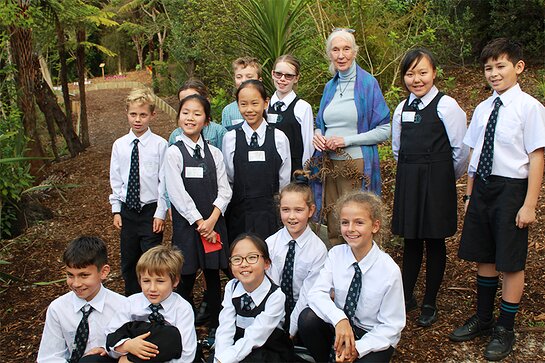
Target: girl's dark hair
column 256, row 240
column 291, row 60
column 85, row 251
column 300, row 184
column 258, row 85
column 203, row 101
column 197, row 85
column 412, row 58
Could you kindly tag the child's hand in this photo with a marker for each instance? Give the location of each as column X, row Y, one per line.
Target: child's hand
column 206, row 227
column 141, row 347
column 117, row 221
column 319, row 142
column 158, row 225
column 345, row 344
column 97, row 350
column 335, row 142
column 525, row 217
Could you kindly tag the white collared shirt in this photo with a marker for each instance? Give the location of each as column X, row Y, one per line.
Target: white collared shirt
column 310, row 255
column 255, row 335
column 282, row 146
column 151, row 151
column 303, row 113
column 455, row 122
column 173, row 169
column 63, row 317
column 176, row 311
column 520, row 130
column 381, row 308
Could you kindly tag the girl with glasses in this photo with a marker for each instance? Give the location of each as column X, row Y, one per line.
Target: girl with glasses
column 289, row 113
column 251, row 320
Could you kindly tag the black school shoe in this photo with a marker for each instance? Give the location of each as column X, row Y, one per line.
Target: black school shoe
column 203, row 315
column 428, row 316
column 501, row 344
column 472, row 328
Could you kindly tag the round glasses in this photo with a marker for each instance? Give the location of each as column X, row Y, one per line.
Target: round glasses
column 250, row 259
column 287, row 76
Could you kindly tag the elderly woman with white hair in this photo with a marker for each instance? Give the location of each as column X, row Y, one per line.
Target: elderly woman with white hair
column 353, row 118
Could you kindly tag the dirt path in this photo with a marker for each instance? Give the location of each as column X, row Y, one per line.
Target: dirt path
column 35, row 256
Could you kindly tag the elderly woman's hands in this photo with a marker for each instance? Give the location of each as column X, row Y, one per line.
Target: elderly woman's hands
column 335, row 142
column 319, row 142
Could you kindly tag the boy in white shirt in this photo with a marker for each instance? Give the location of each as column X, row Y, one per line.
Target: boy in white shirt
column 507, row 138
column 138, row 191
column 76, row 322
column 158, row 273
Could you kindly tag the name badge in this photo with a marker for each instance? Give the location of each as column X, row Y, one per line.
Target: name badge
column 408, row 116
column 273, row 118
column 236, row 121
column 258, row 155
column 194, row 172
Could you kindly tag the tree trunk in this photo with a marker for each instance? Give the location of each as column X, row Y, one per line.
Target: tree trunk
column 154, row 79
column 52, row 136
column 47, row 102
column 63, row 75
column 21, row 50
column 80, row 60
column 139, row 50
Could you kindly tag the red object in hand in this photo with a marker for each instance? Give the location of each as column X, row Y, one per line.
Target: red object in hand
column 211, row 247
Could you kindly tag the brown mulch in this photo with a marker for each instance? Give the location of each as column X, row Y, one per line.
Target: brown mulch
column 35, row 255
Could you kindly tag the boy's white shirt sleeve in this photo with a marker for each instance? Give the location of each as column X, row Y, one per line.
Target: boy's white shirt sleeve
column 53, row 347
column 185, row 323
column 228, row 351
column 116, row 182
column 162, row 207
column 308, row 283
column 391, row 317
column 123, row 316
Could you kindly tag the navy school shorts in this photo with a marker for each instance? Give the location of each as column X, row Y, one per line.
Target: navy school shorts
column 489, row 234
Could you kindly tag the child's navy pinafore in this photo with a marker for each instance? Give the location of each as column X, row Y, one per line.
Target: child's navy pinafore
column 425, row 193
column 253, row 207
column 203, row 191
column 278, row 347
column 287, row 122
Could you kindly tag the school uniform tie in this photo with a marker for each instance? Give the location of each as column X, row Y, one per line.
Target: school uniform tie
column 484, row 169
column 246, row 302
column 351, row 303
column 253, row 140
column 278, row 106
column 287, row 280
column 82, row 334
column 197, row 153
column 353, row 295
column 133, row 187
column 414, row 105
column 156, row 316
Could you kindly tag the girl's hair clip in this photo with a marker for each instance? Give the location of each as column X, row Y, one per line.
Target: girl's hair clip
column 301, row 180
column 348, row 30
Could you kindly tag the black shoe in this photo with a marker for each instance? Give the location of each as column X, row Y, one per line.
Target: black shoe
column 411, row 304
column 501, row 344
column 472, row 328
column 202, row 314
column 210, row 339
column 428, row 316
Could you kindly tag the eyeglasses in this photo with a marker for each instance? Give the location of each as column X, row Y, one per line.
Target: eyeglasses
column 250, row 259
column 287, row 76
column 348, row 30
